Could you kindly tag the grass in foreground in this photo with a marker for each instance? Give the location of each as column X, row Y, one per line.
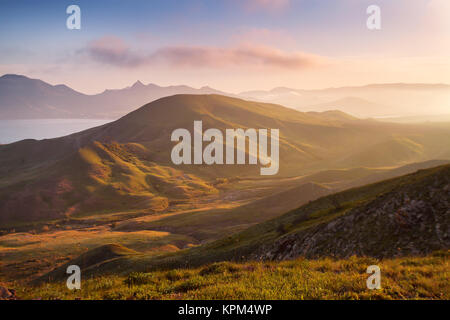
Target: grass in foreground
column 401, row 278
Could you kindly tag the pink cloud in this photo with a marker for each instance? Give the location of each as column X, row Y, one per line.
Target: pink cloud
column 113, row 51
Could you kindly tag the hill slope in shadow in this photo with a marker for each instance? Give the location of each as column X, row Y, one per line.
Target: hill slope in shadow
column 126, row 164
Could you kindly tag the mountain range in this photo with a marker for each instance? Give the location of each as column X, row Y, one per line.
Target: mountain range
column 374, row 100
column 25, row 98
column 110, row 200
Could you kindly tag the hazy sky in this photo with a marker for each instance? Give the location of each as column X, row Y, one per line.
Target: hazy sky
column 231, row 45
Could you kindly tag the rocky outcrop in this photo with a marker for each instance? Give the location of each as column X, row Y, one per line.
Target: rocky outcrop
column 412, row 219
column 7, row 294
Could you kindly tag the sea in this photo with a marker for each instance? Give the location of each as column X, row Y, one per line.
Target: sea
column 16, row 130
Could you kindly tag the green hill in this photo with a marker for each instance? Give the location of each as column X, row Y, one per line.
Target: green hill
column 125, row 165
column 398, row 217
column 95, row 257
column 207, row 225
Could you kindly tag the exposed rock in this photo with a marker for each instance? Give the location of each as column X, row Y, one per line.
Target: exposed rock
column 413, row 219
column 7, row 294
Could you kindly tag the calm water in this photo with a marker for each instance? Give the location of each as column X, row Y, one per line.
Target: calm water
column 15, row 130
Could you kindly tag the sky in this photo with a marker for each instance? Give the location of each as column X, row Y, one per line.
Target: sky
column 231, row 45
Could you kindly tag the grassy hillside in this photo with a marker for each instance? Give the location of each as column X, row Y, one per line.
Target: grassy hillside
column 401, row 216
column 25, row 255
column 99, row 178
column 300, row 279
column 394, row 151
column 125, row 165
column 37, row 248
column 205, row 225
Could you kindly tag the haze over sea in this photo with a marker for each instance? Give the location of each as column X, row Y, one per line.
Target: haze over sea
column 16, row 130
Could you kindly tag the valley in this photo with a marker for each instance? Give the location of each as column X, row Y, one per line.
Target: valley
column 230, row 150
column 110, row 198
column 32, row 250
column 146, row 266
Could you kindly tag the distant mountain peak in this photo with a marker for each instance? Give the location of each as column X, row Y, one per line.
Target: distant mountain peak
column 138, row 84
column 13, row 76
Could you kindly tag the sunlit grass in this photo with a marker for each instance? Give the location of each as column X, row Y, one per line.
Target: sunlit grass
column 401, row 278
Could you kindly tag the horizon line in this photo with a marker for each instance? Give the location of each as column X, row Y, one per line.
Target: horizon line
column 233, row 93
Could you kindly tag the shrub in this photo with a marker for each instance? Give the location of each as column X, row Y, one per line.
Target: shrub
column 175, row 275
column 219, row 268
column 189, row 285
column 139, row 278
